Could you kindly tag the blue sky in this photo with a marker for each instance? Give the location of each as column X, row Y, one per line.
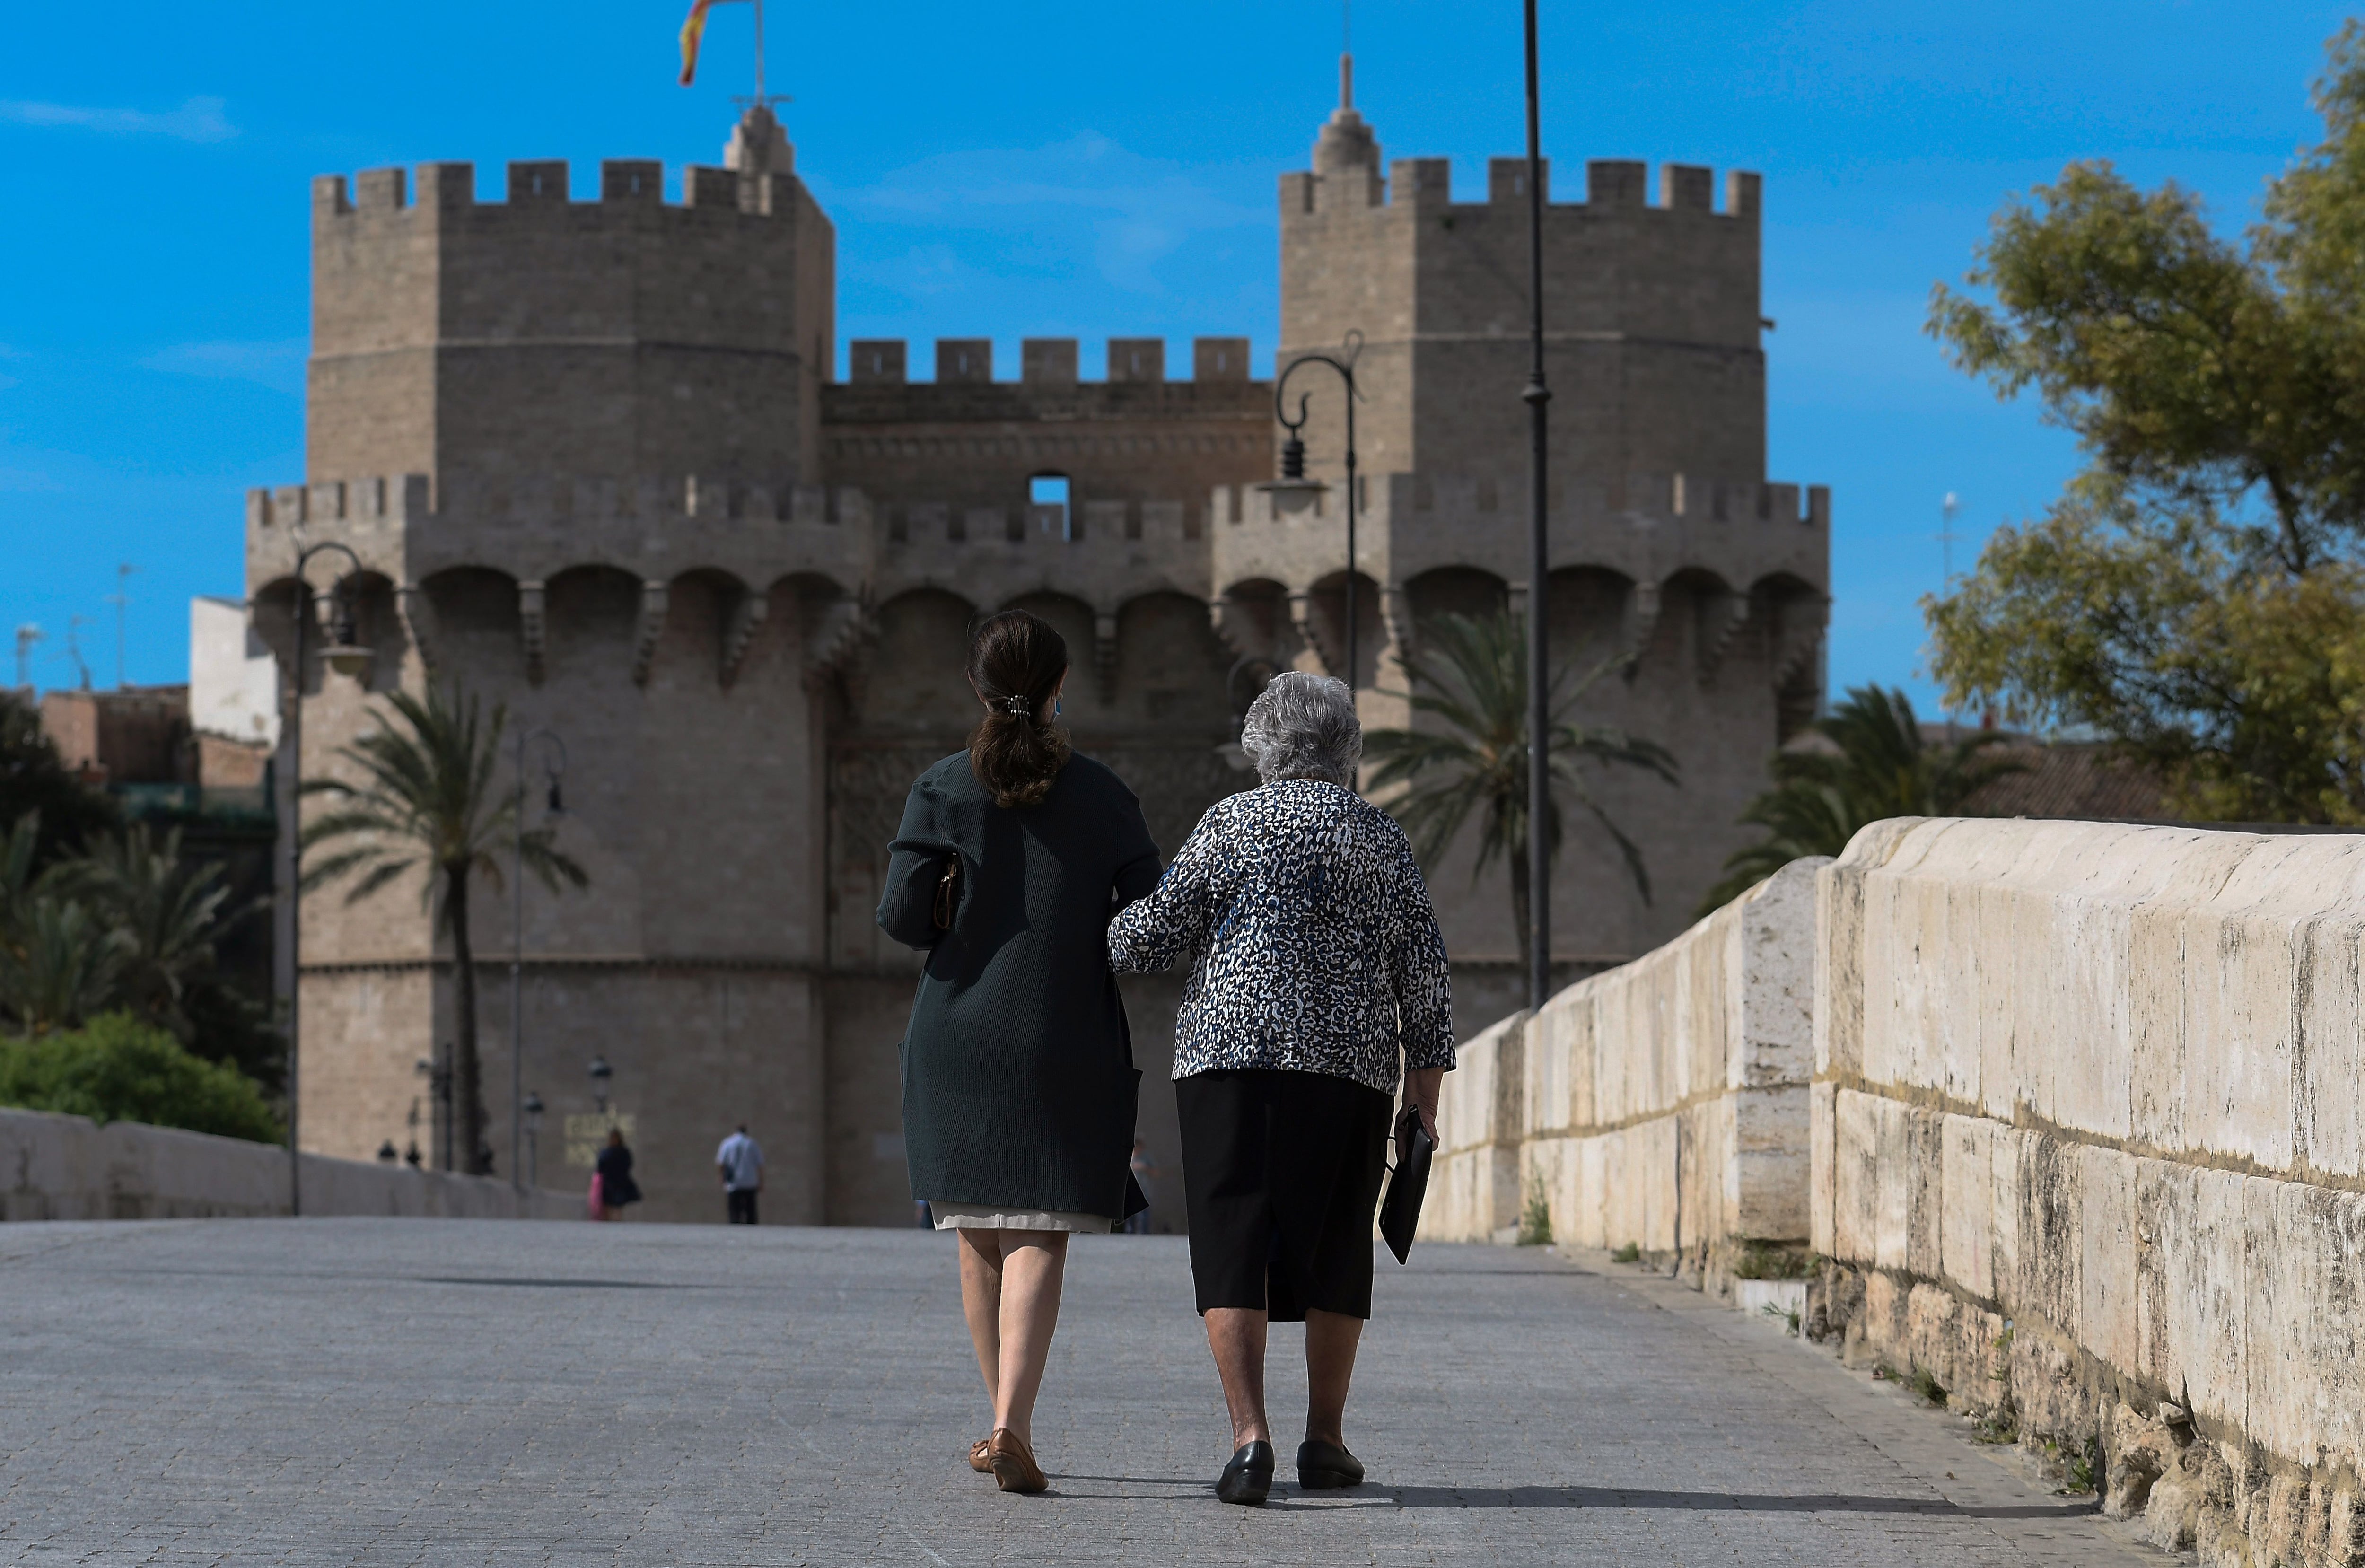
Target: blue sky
column 1041, row 168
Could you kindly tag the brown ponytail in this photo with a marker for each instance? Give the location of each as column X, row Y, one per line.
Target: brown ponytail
column 1015, row 665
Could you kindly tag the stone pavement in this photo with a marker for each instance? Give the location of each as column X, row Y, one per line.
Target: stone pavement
column 395, row 1392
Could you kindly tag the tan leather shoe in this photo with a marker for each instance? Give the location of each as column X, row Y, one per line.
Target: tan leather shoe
column 977, row 1460
column 1013, row 1462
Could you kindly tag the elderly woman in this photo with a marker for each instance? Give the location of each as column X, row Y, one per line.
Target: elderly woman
column 1314, row 962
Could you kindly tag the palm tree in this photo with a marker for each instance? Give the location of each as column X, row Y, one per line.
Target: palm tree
column 1875, row 765
column 1477, row 761
column 59, row 963
column 167, row 915
column 426, row 801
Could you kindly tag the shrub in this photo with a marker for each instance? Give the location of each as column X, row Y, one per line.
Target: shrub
column 117, row 1069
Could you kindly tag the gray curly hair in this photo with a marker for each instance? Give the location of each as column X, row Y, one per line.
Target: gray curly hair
column 1304, row 726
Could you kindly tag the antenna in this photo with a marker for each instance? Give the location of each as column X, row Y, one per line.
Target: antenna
column 121, row 599
column 27, row 634
column 75, row 623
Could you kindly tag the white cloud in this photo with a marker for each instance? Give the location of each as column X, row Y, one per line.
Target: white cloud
column 197, row 119
column 278, row 364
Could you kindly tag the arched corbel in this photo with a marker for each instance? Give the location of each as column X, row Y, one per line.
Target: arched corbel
column 1641, row 620
column 1309, row 627
column 746, row 618
column 1105, row 653
column 653, row 616
column 417, row 614
column 1722, row 619
column 533, row 627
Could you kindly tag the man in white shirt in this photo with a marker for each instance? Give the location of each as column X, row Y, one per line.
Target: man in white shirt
column 741, row 1162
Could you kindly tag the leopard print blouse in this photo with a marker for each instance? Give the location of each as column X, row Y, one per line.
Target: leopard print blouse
column 1312, row 943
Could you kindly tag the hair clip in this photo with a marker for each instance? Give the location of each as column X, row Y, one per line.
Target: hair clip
column 1018, row 707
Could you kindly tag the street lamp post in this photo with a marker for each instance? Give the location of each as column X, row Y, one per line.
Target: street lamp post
column 552, row 770
column 1537, row 395
column 1294, row 485
column 346, row 657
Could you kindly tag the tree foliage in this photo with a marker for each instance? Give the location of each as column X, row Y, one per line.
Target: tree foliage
column 127, row 924
column 428, row 800
column 117, row 1068
column 34, row 781
column 1474, row 761
column 2198, row 596
column 1877, row 764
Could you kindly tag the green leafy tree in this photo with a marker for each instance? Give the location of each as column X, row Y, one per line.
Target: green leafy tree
column 1471, row 677
column 2196, row 596
column 166, row 911
column 33, row 780
column 1876, row 765
column 427, row 800
column 117, row 1068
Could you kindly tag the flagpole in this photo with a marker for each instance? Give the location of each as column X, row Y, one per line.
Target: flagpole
column 759, row 51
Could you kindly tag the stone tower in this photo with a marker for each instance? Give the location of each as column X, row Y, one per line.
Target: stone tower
column 1667, row 543
column 574, row 444
column 592, row 460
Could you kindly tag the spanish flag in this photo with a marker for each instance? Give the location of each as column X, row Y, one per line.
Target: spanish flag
column 692, row 31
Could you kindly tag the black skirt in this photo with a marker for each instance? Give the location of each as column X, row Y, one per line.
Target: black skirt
column 1281, row 1178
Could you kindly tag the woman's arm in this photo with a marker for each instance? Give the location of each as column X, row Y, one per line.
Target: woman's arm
column 1416, row 964
column 915, row 861
column 1171, row 921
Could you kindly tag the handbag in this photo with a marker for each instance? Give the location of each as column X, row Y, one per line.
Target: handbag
column 947, row 894
column 1407, row 1182
column 592, row 1199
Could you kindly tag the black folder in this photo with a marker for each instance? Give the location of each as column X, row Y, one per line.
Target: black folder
column 1407, row 1183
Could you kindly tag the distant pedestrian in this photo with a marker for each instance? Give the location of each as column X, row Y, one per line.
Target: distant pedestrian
column 741, row 1162
column 1145, row 1176
column 612, row 1176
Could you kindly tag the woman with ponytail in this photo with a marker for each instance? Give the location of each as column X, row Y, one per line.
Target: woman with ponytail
column 1018, row 1076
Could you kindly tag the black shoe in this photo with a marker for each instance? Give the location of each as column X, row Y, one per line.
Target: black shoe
column 1249, row 1475
column 1323, row 1467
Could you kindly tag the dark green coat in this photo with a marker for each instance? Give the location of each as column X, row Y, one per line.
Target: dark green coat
column 1018, row 1077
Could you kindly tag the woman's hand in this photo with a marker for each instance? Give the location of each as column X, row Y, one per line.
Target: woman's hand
column 1423, row 1086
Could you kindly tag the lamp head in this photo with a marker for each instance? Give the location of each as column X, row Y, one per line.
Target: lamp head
column 345, row 653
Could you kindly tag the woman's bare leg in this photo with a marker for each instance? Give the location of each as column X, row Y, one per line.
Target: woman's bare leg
column 1330, row 1341
column 981, row 1278
column 1033, row 1263
column 1235, row 1337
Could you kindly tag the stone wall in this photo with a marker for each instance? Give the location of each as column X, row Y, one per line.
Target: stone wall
column 71, row 1167
column 1660, row 1105
column 2090, row 1155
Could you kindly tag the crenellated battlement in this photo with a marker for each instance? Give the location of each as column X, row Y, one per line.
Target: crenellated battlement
column 584, row 501
column 1612, row 186
column 543, row 186
column 1047, row 363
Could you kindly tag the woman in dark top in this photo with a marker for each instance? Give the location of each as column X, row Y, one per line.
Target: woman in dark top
column 1018, row 1076
column 617, row 1187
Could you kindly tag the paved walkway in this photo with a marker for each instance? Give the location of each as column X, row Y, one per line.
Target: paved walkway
column 389, row 1392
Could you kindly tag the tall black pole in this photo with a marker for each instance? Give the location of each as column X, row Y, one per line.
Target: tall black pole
column 296, row 891
column 1354, row 505
column 1539, row 572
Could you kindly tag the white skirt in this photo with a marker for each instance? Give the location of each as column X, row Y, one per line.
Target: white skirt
column 981, row 1216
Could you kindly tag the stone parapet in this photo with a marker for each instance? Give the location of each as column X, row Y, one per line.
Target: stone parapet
column 1660, row 1105
column 2089, row 1155
column 69, row 1168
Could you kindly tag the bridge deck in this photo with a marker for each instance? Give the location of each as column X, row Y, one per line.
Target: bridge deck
column 428, row 1392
